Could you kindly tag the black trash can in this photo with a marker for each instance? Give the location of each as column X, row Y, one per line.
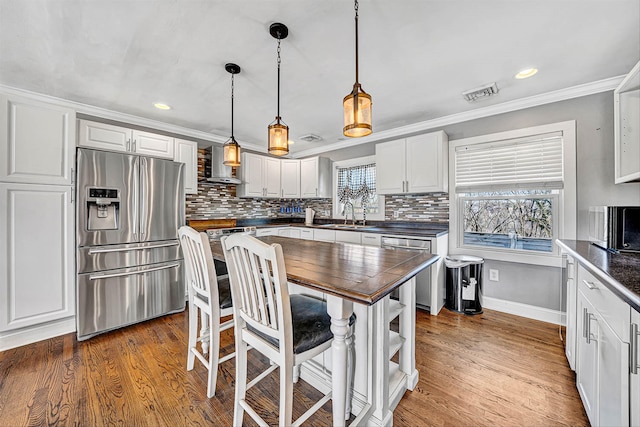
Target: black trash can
column 464, row 284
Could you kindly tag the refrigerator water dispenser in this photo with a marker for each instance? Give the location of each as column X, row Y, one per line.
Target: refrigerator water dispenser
column 103, row 209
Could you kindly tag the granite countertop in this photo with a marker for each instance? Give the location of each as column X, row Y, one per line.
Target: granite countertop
column 620, row 271
column 404, row 228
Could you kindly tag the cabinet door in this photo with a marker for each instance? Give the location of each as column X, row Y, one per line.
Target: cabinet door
column 103, row 136
column 309, row 178
column 38, row 144
column 587, row 357
column 571, row 330
column 272, row 177
column 37, row 283
column 634, row 378
column 187, row 153
column 348, row 237
column 427, row 163
column 626, row 125
column 369, row 239
column 151, row 144
column 390, row 167
column 306, row 233
column 613, row 378
column 290, row 178
column 324, row 235
column 252, row 173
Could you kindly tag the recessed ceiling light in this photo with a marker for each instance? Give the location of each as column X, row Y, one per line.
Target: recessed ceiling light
column 526, row 73
column 161, row 106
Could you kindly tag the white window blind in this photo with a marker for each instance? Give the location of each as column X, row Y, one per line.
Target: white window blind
column 531, row 162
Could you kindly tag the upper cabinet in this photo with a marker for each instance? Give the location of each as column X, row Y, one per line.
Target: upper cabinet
column 37, row 146
column 315, row 178
column 118, row 138
column 260, row 176
column 187, row 153
column 626, row 113
column 418, row 164
column 290, row 178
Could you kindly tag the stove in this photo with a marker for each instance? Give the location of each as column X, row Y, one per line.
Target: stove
column 217, row 233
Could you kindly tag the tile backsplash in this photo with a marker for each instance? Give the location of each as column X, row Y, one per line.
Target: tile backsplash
column 433, row 207
column 218, row 201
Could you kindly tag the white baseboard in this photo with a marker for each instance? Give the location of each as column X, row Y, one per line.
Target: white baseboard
column 525, row 310
column 29, row 335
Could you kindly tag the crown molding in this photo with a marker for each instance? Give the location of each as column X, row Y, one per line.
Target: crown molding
column 505, row 107
column 106, row 114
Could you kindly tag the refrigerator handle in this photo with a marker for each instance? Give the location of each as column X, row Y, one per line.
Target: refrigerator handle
column 143, row 197
column 131, row 273
column 136, row 198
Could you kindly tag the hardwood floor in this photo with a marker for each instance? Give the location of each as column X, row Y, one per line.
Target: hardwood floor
column 492, row 369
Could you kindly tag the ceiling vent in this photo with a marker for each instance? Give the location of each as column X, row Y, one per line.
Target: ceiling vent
column 311, row 138
column 481, row 92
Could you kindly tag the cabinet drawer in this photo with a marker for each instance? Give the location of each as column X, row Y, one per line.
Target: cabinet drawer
column 613, row 310
column 370, row 239
column 348, row 237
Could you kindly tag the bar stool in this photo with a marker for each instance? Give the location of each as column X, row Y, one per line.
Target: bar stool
column 288, row 329
column 209, row 300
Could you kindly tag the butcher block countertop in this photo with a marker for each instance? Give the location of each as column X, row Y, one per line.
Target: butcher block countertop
column 620, row 272
column 362, row 274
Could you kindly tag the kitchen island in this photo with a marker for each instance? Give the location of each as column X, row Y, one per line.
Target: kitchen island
column 346, row 274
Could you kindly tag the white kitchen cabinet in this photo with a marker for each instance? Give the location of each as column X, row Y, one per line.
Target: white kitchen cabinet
column 268, row 231
column 370, row 239
column 37, row 145
column 323, row 235
column 418, row 164
column 315, row 178
column 187, row 152
column 626, row 127
column 602, row 363
column 306, row 233
column 37, row 284
column 260, row 176
column 348, row 237
column 571, row 311
column 118, row 138
column 291, row 232
column 290, row 178
column 634, row 376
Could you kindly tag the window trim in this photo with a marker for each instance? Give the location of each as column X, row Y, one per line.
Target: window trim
column 566, row 220
column 347, row 164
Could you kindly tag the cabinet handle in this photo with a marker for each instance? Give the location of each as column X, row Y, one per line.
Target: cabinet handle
column 590, row 285
column 316, row 192
column 129, row 144
column 73, row 177
column 633, row 357
column 586, row 331
column 134, row 146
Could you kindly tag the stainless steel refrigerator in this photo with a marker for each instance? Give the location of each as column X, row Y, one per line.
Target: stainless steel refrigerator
column 129, row 264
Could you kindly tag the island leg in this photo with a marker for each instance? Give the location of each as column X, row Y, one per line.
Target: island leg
column 340, row 311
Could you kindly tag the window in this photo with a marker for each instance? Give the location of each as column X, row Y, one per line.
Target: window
column 355, row 190
column 514, row 193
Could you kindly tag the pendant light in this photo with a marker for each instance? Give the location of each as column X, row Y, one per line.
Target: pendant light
column 278, row 130
column 231, row 147
column 357, row 105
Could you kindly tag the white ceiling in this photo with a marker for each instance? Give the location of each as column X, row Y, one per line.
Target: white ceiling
column 416, row 57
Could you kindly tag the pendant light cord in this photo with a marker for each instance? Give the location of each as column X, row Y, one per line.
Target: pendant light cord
column 356, row 9
column 232, row 106
column 279, row 60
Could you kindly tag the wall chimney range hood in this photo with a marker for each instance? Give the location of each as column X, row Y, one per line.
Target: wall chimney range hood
column 219, row 172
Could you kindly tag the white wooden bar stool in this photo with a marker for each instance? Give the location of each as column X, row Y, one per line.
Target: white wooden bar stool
column 288, row 329
column 209, row 300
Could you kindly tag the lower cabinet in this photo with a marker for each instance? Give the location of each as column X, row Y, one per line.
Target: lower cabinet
column 634, row 364
column 37, row 279
column 602, row 362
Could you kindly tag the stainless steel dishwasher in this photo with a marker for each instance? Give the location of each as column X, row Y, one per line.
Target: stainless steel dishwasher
column 423, row 279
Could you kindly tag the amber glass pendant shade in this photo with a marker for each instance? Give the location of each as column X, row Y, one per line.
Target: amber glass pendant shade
column 231, row 153
column 357, row 113
column 278, row 138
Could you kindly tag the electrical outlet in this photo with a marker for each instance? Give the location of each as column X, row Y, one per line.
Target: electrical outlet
column 396, row 214
column 494, row 275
